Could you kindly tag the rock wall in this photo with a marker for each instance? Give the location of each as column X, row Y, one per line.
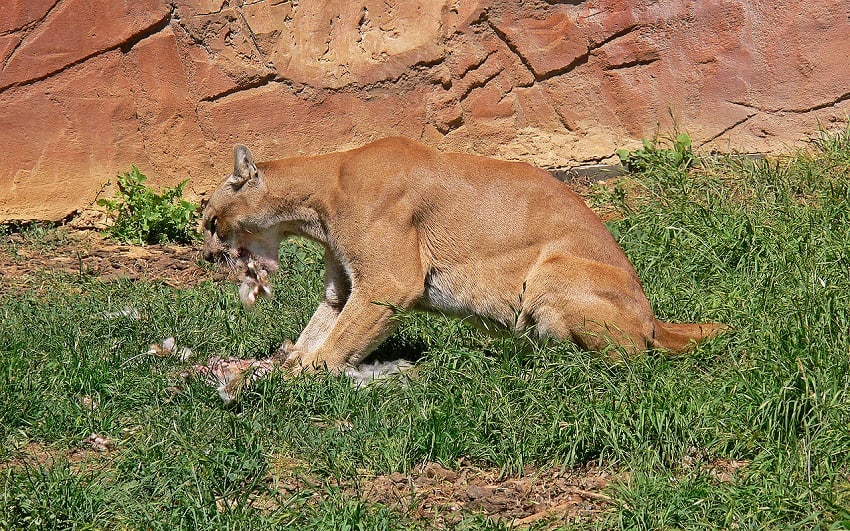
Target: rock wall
column 88, row 88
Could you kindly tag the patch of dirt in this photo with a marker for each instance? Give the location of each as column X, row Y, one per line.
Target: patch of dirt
column 84, row 456
column 32, row 454
column 442, row 497
column 725, row 470
column 89, row 253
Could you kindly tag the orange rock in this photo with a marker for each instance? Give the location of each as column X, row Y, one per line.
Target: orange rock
column 74, row 30
column 87, row 89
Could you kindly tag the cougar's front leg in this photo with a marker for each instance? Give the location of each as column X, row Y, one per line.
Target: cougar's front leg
column 388, row 276
column 337, row 290
column 365, row 322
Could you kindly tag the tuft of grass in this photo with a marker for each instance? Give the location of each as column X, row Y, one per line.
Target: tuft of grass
column 760, row 245
column 660, row 154
column 144, row 216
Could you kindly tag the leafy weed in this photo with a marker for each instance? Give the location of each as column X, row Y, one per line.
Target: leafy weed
column 144, row 216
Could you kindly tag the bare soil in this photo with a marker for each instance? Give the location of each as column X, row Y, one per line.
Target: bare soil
column 87, row 252
column 442, row 496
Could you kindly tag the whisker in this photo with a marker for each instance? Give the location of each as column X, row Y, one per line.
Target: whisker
column 231, row 263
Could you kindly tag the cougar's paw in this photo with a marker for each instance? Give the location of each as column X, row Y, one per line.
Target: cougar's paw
column 288, row 357
column 292, row 360
column 298, row 362
column 285, row 350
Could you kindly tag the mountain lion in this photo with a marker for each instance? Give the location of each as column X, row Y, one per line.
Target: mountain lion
column 503, row 244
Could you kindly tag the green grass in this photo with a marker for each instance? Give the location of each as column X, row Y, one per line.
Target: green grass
column 760, row 245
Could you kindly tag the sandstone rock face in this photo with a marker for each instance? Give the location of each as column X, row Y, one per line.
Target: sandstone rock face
column 88, row 88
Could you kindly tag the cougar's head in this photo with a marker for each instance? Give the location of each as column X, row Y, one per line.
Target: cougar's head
column 238, row 225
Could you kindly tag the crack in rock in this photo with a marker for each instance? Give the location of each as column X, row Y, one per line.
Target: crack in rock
column 125, row 46
column 585, row 57
column 512, row 47
column 262, row 82
column 728, row 128
column 632, row 64
column 803, row 110
column 26, row 29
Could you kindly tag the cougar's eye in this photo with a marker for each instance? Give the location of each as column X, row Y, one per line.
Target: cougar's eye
column 212, row 224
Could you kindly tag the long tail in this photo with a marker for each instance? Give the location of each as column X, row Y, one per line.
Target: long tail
column 682, row 337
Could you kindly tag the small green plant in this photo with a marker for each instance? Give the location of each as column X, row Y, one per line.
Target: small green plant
column 654, row 154
column 143, row 216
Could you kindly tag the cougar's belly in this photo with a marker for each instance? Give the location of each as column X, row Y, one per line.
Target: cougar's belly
column 467, row 295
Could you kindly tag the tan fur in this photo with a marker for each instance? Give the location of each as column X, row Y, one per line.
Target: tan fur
column 404, row 226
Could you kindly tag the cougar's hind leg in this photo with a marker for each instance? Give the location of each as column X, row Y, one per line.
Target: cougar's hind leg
column 593, row 304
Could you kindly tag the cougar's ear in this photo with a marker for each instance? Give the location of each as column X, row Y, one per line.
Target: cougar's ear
column 244, row 168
